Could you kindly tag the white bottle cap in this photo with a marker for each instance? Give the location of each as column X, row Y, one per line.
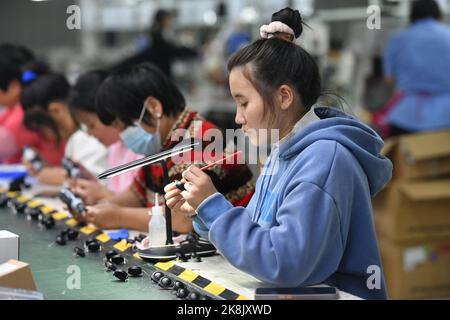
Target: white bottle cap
column 156, row 209
column 28, row 154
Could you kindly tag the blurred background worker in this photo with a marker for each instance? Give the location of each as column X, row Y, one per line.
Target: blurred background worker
column 82, row 105
column 44, row 100
column 388, row 59
column 13, row 58
column 158, row 47
column 417, row 62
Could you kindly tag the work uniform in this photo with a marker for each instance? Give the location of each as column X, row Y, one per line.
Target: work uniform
column 418, row 58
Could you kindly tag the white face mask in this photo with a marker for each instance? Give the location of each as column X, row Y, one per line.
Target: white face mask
column 139, row 140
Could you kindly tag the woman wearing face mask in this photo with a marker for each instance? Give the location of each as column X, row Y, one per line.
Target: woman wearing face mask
column 310, row 220
column 82, row 104
column 46, row 111
column 138, row 139
column 150, row 111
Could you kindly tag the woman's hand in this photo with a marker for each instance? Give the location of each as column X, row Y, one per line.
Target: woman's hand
column 52, row 176
column 105, row 215
column 77, row 216
column 90, row 191
column 176, row 202
column 198, row 186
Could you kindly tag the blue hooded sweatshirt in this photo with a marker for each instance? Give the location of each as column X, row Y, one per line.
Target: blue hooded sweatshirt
column 310, row 220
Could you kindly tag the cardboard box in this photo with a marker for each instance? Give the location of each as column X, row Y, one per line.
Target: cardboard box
column 413, row 210
column 416, row 270
column 412, row 216
column 16, row 274
column 422, row 155
column 9, row 246
column 19, row 294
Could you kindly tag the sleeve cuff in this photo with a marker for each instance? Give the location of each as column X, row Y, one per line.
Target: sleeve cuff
column 205, row 200
column 200, row 228
column 213, row 207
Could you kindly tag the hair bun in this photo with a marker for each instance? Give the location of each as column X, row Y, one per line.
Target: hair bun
column 290, row 17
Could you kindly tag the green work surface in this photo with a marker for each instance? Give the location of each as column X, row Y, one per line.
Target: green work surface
column 50, row 264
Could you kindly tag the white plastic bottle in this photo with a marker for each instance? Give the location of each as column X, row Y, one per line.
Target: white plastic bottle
column 157, row 225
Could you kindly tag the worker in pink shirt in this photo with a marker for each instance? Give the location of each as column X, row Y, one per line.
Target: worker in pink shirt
column 82, row 104
column 13, row 134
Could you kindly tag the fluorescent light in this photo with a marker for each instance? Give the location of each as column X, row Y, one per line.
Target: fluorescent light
column 248, row 15
column 210, row 17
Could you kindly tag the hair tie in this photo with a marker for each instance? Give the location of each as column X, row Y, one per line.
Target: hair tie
column 28, row 76
column 268, row 31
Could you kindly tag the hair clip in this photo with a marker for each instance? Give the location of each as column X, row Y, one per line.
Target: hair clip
column 28, row 76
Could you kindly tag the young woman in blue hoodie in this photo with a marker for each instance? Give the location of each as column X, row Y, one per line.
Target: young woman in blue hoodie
column 310, row 219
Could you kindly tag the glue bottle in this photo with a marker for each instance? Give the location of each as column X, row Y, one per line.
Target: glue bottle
column 157, row 225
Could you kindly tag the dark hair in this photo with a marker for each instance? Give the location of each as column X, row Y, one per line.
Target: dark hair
column 274, row 62
column 12, row 60
column 36, row 97
column 33, row 70
column 82, row 95
column 47, row 88
column 36, row 120
column 290, row 17
column 123, row 93
column 159, row 17
column 422, row 9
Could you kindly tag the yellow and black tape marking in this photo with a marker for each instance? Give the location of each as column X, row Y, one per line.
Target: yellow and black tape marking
column 103, row 237
column 88, row 229
column 22, row 198
column 201, row 282
column 12, row 194
column 60, row 215
column 124, row 247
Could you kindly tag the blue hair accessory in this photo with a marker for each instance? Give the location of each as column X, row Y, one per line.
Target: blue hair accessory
column 28, row 76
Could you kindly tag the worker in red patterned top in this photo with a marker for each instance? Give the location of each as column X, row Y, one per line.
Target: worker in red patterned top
column 12, row 131
column 150, row 112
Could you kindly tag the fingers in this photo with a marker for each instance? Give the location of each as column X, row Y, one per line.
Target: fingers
column 83, row 183
column 170, row 187
column 188, row 186
column 192, row 173
column 173, row 197
column 173, row 193
column 104, row 206
column 82, row 188
column 175, row 203
column 91, row 212
column 79, row 191
column 189, row 176
column 186, row 195
column 196, row 171
column 194, row 179
column 195, row 175
column 72, row 183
